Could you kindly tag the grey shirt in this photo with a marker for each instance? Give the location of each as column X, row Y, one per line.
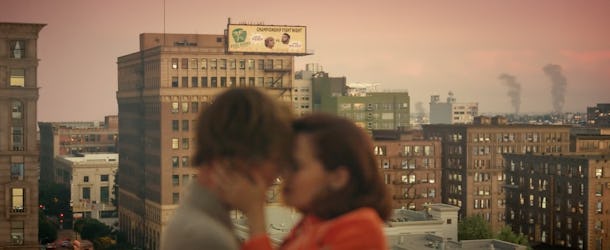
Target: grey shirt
column 200, row 222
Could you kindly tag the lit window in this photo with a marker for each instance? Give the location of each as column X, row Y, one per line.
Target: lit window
column 175, row 143
column 18, row 200
column 175, row 106
column 174, row 63
column 204, row 64
column 17, row 78
column 185, row 107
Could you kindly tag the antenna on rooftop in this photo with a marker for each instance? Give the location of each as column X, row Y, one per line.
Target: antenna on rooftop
column 164, row 23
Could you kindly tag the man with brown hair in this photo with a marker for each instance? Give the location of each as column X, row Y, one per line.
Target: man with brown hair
column 244, row 131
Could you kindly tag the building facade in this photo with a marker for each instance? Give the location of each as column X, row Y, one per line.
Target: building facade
column 451, row 112
column 19, row 166
column 411, row 169
column 599, row 115
column 161, row 90
column 560, row 199
column 65, row 138
column 472, row 162
column 90, row 177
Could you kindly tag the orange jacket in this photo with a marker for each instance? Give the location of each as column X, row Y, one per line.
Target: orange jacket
column 358, row 229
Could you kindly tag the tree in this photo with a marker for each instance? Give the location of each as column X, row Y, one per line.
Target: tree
column 474, row 228
column 91, row 229
column 47, row 230
column 507, row 234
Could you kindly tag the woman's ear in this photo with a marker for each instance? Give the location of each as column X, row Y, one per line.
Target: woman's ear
column 339, row 178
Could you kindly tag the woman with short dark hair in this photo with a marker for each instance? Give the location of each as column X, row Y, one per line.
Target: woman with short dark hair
column 334, row 182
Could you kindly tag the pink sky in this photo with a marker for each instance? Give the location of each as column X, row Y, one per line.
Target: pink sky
column 425, row 47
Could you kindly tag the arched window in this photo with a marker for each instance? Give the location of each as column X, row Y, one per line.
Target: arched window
column 17, row 110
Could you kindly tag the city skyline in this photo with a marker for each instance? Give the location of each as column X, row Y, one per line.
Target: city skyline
column 425, row 48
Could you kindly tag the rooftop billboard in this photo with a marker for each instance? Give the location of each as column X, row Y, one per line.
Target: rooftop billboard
column 267, row 39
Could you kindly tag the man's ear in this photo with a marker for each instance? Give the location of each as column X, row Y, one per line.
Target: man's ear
column 339, row 178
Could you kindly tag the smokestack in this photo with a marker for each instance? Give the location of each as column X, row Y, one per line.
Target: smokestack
column 514, row 90
column 558, row 87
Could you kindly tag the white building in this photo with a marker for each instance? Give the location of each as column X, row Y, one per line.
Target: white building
column 451, row 112
column 301, row 88
column 432, row 228
column 91, row 180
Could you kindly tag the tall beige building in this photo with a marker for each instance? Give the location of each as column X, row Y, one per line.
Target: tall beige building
column 161, row 90
column 19, row 166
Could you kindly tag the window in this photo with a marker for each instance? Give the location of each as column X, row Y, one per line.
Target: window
column 174, row 108
column 213, row 63
column 242, row 82
column 175, row 198
column 185, row 161
column 17, row 200
column 85, row 178
column 194, row 107
column 174, row 82
column 232, row 64
column 185, row 143
column 269, row 64
column 185, row 125
column 259, row 81
column 17, row 49
column 193, row 63
column 175, row 143
column 175, row 125
column 185, row 82
column 242, row 64
column 195, row 82
column 250, row 64
column 17, row 171
column 223, row 82
column 17, row 232
column 175, row 180
column 104, row 194
column 379, row 150
column 174, row 63
column 184, row 64
column 17, row 110
column 223, row 64
column 174, row 161
column 204, row 64
column 261, row 64
column 17, row 78
column 204, row 82
column 104, row 177
column 232, row 82
column 251, row 81
column 185, row 107
column 86, row 193
column 214, row 83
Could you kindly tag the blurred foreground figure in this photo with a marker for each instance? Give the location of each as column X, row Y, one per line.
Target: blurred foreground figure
column 334, row 182
column 243, row 131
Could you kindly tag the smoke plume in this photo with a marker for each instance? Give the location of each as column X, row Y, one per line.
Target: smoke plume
column 558, row 87
column 514, row 90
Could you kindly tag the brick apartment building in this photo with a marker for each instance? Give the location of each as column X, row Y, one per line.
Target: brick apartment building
column 472, row 163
